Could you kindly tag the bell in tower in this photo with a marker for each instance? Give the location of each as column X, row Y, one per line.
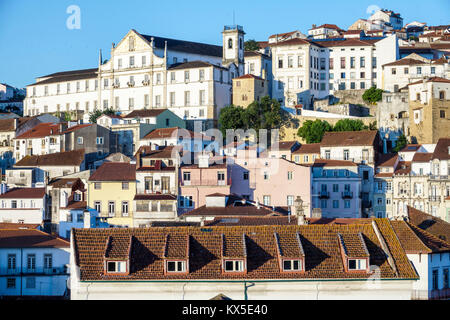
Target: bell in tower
column 233, row 47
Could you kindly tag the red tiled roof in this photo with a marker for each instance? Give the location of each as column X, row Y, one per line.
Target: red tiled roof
column 24, row 193
column 290, row 42
column 155, row 197
column 41, row 130
column 333, row 163
column 442, row 151
column 248, row 76
column 115, row 171
column 422, row 157
column 145, row 113
column 308, row 148
column 433, row 79
column 203, row 248
column 30, row 238
column 404, row 62
column 411, row 148
column 68, row 158
column 429, row 223
column 403, row 167
column 7, row 125
column 174, row 132
column 387, row 159
column 328, row 26
column 77, row 127
column 349, row 138
column 285, row 145
column 11, row 226
column 347, row 43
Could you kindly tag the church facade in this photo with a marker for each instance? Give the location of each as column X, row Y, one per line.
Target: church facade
column 193, row 80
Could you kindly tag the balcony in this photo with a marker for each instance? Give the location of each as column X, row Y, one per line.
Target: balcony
column 438, row 177
column 62, row 270
column 442, row 294
column 347, row 195
column 324, row 195
column 212, row 182
column 434, row 198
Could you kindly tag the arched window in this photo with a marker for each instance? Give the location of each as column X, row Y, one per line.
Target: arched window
column 230, row 43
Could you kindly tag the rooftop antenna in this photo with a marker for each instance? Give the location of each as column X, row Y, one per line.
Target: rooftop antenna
column 234, row 22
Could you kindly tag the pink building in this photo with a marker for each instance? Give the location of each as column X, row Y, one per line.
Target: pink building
column 210, row 175
column 271, row 181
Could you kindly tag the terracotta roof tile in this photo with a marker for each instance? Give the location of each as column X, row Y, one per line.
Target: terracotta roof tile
column 333, row 163
column 204, row 251
column 41, row 130
column 422, row 157
column 7, row 125
column 442, row 151
column 349, row 138
column 308, row 148
column 30, row 238
column 429, row 223
column 24, row 193
column 114, row 171
column 68, row 158
column 145, row 113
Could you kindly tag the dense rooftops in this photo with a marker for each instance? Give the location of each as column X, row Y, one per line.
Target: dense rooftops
column 349, row 138
column 24, row 193
column 202, row 248
column 115, row 171
column 68, row 158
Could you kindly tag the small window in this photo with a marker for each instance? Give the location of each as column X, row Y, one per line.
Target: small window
column 80, row 140
column 176, row 266
column 234, row 265
column 99, row 140
column 357, row 264
column 116, row 266
column 97, row 185
column 125, row 185
column 11, row 283
column 292, row 265
column 31, row 283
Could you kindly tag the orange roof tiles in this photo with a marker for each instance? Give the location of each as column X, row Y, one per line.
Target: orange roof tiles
column 204, row 251
column 114, row 171
column 429, row 223
column 68, row 158
column 24, row 193
column 349, row 138
column 30, row 238
column 42, row 130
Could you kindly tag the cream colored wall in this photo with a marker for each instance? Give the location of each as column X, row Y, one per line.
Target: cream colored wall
column 112, row 191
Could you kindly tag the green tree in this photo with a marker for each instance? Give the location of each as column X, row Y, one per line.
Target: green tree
column 231, row 117
column 349, row 125
column 313, row 131
column 372, row 95
column 93, row 116
column 251, row 45
column 401, row 143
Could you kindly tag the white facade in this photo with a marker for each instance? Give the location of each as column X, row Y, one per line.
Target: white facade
column 22, row 210
column 139, row 75
column 45, row 279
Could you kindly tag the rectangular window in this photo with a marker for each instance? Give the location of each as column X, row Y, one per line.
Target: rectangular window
column 116, row 266
column 186, row 76
column 234, row 265
column 11, row 261
column 202, row 75
column 125, row 208
column 111, row 208
column 362, row 62
column 343, row 63
column 48, row 261
column 97, row 206
column 125, row 185
column 266, row 200
column 11, row 283
column 292, row 265
column 290, row 175
column 245, row 175
column 290, row 201
column 144, row 60
column 187, row 98
column 347, row 204
column 97, row 185
column 435, row 280
column 176, row 266
column 172, row 99
column 99, row 140
column 131, row 61
column 357, row 264
column 323, row 204
column 446, row 279
column 335, row 204
column 31, row 262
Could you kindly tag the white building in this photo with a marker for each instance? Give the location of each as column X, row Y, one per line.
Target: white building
column 386, row 20
column 23, row 205
column 32, row 263
column 400, row 73
column 336, row 188
column 280, row 262
column 191, row 79
column 324, row 31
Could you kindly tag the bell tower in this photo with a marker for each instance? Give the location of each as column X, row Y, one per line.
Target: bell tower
column 233, row 47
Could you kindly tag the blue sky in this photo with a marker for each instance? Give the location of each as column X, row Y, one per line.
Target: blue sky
column 35, row 41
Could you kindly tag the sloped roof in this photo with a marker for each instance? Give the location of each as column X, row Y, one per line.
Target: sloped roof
column 68, row 158
column 441, row 151
column 7, row 125
column 114, row 171
column 192, row 65
column 404, row 62
column 145, row 113
column 66, row 76
column 24, row 193
column 308, row 148
column 349, row 138
column 320, row 244
column 41, row 130
column 186, row 46
column 333, row 163
column 434, row 225
column 30, row 238
column 174, row 132
column 422, row 157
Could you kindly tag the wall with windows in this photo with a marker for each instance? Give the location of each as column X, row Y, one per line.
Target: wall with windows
column 23, row 210
column 44, row 271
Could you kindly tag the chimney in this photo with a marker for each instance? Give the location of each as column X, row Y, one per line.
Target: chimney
column 257, row 204
column 87, row 219
column 203, row 160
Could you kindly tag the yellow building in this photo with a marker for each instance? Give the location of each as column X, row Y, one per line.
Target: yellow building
column 248, row 88
column 111, row 190
column 429, row 114
column 306, row 154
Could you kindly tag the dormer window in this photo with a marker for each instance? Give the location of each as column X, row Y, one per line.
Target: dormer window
column 176, row 266
column 292, row 265
column 234, row 266
column 116, row 267
column 357, row 264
